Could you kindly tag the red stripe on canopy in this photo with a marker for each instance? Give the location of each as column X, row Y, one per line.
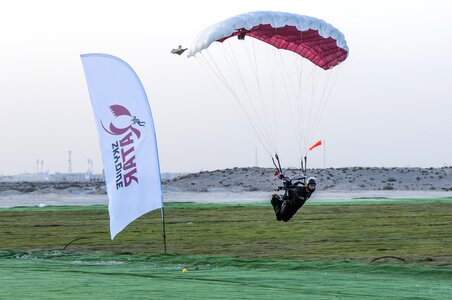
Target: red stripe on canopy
column 321, row 51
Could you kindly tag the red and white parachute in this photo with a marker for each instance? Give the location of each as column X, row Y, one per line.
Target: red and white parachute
column 279, row 69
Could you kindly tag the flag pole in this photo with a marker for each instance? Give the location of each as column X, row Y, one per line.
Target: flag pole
column 163, row 225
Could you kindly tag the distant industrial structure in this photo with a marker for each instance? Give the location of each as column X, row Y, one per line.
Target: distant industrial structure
column 70, row 162
column 69, row 177
column 56, row 177
column 40, row 175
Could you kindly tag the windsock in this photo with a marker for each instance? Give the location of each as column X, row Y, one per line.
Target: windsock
column 318, row 143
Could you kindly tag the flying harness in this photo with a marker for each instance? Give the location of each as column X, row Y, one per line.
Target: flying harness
column 287, row 181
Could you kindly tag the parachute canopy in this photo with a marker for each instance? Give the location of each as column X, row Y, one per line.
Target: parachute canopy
column 312, row 38
column 278, row 69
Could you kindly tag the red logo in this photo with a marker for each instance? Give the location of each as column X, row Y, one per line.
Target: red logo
column 124, row 127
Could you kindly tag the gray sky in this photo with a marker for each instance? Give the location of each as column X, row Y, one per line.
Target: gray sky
column 390, row 107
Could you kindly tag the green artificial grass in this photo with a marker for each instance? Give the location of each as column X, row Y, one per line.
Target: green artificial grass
column 59, row 275
column 417, row 232
column 398, row 249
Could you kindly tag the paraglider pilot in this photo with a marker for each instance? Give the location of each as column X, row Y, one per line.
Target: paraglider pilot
column 296, row 194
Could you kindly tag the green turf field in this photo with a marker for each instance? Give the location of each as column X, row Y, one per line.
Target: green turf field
column 399, row 249
column 56, row 275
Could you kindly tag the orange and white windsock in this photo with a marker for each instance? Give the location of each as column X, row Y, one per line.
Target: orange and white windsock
column 318, row 143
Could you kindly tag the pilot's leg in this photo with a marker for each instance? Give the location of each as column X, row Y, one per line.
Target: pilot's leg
column 276, row 203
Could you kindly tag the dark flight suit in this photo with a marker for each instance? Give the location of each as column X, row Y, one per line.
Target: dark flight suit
column 290, row 203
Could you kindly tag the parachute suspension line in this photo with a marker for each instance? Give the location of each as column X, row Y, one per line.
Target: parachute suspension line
column 259, row 103
column 321, row 107
column 335, row 77
column 235, row 69
column 310, row 116
column 215, row 70
column 323, row 101
column 267, row 124
column 284, row 71
column 331, row 82
column 233, row 64
column 294, row 78
column 298, row 63
column 286, row 83
column 272, row 72
column 298, row 103
column 212, row 70
column 296, row 120
column 312, row 95
column 308, row 104
column 243, row 111
column 258, row 118
column 331, row 79
column 301, row 100
column 275, row 91
column 316, row 111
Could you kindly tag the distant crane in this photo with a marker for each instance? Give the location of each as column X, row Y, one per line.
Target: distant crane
column 90, row 165
column 70, row 162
